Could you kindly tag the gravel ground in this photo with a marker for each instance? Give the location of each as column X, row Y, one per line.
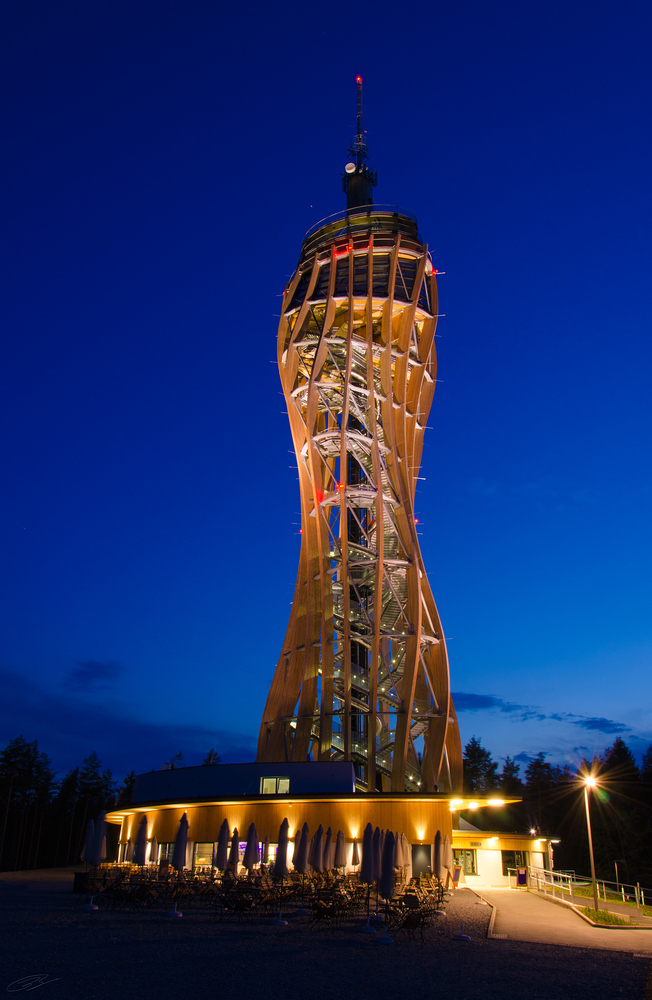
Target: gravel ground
column 104, row 955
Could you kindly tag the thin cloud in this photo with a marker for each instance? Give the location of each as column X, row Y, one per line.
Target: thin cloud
column 601, row 725
column 466, row 702
column 92, row 675
column 472, row 702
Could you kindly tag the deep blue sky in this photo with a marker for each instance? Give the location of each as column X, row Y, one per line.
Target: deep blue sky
column 161, row 164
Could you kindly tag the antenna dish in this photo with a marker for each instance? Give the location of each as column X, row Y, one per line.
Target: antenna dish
column 350, row 168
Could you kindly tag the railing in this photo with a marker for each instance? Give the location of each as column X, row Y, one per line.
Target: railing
column 575, row 889
column 350, row 213
column 543, row 880
column 365, row 218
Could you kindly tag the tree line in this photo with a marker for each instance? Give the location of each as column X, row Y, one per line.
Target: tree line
column 553, row 805
column 43, row 819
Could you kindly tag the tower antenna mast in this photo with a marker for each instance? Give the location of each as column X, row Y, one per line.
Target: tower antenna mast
column 358, row 179
column 360, row 143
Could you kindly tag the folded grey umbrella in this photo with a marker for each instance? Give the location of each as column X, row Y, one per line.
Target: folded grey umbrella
column 281, row 863
column 265, row 857
column 295, row 851
column 367, row 866
column 340, row 851
column 140, row 848
column 355, row 854
column 251, row 854
column 234, row 853
column 153, row 851
column 87, row 849
column 98, row 852
column 180, row 844
column 222, row 852
column 386, row 882
column 376, row 854
column 318, row 850
column 447, row 854
column 437, row 865
column 301, row 863
column 327, row 850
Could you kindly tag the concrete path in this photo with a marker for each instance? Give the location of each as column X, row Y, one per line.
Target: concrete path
column 523, row 916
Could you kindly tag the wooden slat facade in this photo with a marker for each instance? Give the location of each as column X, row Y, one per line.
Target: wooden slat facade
column 363, row 674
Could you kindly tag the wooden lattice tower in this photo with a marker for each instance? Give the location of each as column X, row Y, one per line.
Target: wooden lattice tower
column 363, row 674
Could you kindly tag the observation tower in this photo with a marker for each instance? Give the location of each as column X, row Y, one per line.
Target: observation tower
column 363, row 674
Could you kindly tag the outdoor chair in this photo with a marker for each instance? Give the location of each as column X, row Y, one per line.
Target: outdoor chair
column 411, row 922
column 324, row 915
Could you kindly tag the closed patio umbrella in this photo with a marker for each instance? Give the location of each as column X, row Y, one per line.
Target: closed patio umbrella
column 397, row 850
column 355, row 854
column 98, row 854
column 281, row 863
column 222, row 852
column 401, row 842
column 367, row 866
column 301, row 864
column 140, row 848
column 153, row 851
column 251, row 854
column 386, row 883
column 180, row 844
column 437, row 865
column 318, row 850
column 281, row 867
column 376, row 854
column 311, row 852
column 340, row 851
column 295, row 851
column 386, row 880
column 87, row 849
column 265, row 858
column 234, row 853
column 327, row 850
column 447, row 855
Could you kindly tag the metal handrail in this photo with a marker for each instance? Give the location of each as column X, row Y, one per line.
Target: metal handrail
column 350, row 213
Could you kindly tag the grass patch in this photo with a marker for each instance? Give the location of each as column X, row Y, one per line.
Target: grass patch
column 603, row 917
column 586, row 891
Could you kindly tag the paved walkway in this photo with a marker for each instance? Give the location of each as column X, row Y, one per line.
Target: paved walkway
column 523, row 916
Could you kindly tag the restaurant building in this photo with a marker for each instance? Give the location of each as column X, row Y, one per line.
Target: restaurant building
column 317, row 794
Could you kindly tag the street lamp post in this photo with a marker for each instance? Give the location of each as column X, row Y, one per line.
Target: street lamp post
column 590, row 783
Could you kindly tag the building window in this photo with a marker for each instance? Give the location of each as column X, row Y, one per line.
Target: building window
column 165, row 852
column 204, row 854
column 515, row 859
column 465, row 858
column 274, row 786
